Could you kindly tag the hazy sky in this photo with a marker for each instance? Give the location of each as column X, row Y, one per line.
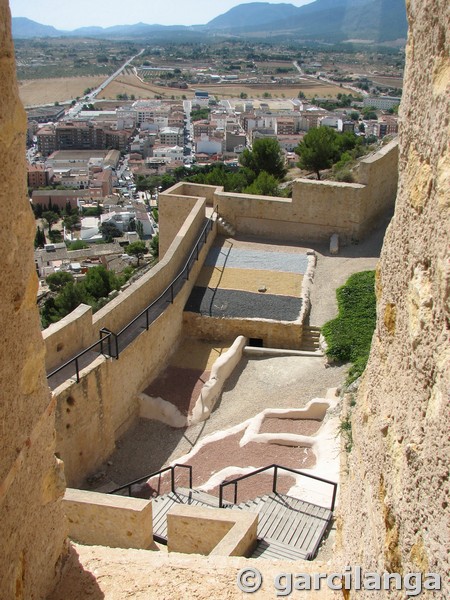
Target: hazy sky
column 70, row 14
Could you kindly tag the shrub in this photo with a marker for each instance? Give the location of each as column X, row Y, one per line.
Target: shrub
column 349, row 335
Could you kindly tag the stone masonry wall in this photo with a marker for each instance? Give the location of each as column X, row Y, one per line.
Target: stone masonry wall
column 32, row 529
column 318, row 209
column 395, row 503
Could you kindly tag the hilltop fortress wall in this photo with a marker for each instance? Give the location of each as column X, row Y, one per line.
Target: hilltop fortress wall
column 32, row 526
column 92, row 414
column 395, row 501
column 318, row 209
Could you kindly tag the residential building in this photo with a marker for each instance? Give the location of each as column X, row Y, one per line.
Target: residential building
column 234, row 139
column 382, row 102
column 38, row 176
column 171, row 136
column 208, row 145
column 172, row 152
column 203, row 127
column 80, row 136
column 285, row 126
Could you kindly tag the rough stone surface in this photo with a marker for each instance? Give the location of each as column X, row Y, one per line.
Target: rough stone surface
column 101, row 573
column 32, row 530
column 395, row 504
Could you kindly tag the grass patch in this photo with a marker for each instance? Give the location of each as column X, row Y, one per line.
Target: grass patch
column 349, row 335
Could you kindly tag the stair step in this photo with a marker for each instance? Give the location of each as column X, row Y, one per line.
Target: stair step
column 278, row 551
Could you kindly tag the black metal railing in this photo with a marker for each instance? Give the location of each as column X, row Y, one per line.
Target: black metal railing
column 75, row 361
column 274, row 482
column 115, row 342
column 127, row 486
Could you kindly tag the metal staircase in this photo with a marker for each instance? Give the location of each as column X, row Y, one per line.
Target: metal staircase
column 288, row 528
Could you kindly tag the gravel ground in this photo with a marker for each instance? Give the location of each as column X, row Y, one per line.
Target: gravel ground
column 245, row 305
column 238, row 258
column 167, row 386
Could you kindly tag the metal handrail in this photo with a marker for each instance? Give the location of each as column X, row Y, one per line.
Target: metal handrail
column 78, row 356
column 115, row 336
column 127, row 486
column 170, row 286
column 236, row 480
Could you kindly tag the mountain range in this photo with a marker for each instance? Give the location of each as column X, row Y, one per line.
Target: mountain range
column 322, row 20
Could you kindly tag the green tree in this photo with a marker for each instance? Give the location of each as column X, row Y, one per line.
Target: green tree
column 264, row 185
column 266, row 156
column 140, row 229
column 70, row 296
column 318, row 150
column 51, row 217
column 71, row 222
column 77, row 245
column 39, row 239
column 99, row 282
column 137, row 249
column 154, row 246
column 109, row 231
column 56, row 281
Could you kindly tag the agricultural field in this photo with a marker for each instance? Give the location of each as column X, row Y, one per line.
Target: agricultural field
column 34, row 92
column 132, row 85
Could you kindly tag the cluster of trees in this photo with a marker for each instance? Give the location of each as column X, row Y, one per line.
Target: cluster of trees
column 261, row 172
column 342, row 101
column 323, row 147
column 200, row 114
column 93, row 290
column 52, row 214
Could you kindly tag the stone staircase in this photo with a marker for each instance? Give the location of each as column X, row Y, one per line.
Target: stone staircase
column 225, row 227
column 310, row 339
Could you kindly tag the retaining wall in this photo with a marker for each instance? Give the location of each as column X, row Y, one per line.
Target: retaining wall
column 92, row 414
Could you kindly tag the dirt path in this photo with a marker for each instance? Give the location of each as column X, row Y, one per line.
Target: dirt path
column 333, row 271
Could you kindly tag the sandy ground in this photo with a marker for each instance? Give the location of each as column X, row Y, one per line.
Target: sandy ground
column 101, row 573
column 333, row 271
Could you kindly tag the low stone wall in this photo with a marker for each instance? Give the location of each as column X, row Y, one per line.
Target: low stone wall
column 317, row 209
column 161, row 410
column 274, row 334
column 211, row 531
column 222, row 368
column 108, row 520
column 67, row 337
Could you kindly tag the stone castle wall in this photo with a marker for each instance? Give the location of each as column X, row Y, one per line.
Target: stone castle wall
column 395, row 503
column 81, row 328
column 32, row 527
column 93, row 414
column 318, row 209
